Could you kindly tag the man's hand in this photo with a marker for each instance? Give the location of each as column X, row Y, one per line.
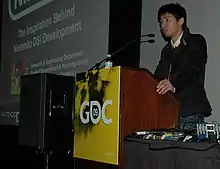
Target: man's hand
column 164, row 86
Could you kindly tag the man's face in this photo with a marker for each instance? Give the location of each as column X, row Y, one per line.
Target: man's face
column 169, row 25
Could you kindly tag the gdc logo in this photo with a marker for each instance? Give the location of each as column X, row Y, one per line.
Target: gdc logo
column 96, row 112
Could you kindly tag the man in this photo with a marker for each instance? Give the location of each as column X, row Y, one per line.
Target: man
column 181, row 69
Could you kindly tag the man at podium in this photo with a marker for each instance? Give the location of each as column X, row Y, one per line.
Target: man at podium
column 181, row 68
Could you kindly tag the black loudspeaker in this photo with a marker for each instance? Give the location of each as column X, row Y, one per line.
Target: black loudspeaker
column 46, row 104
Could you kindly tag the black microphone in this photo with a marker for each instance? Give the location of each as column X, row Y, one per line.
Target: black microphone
column 149, row 41
column 133, row 41
column 150, row 35
column 124, row 47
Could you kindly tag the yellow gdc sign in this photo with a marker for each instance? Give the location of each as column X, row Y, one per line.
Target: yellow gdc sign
column 96, row 112
column 96, row 117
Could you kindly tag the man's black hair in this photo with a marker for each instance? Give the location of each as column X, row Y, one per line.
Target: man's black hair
column 175, row 9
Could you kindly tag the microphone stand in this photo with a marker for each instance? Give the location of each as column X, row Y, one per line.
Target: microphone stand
column 97, row 65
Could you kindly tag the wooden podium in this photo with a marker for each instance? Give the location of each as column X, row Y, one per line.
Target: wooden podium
column 110, row 104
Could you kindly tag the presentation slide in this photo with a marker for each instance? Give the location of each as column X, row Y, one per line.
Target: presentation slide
column 53, row 36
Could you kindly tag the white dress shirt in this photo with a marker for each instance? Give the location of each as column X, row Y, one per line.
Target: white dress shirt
column 176, row 44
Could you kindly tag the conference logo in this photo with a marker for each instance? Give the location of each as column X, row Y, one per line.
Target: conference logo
column 20, row 8
column 95, row 112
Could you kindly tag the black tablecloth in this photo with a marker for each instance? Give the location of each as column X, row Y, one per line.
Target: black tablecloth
column 160, row 154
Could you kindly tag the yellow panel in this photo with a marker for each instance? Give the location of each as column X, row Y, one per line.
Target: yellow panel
column 96, row 127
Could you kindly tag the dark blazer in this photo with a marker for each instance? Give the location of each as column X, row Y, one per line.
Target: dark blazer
column 186, row 65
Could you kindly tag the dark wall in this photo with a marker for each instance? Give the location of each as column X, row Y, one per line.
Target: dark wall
column 8, row 143
column 1, row 4
column 125, row 26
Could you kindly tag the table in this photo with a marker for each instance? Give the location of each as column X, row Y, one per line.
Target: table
column 161, row 154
